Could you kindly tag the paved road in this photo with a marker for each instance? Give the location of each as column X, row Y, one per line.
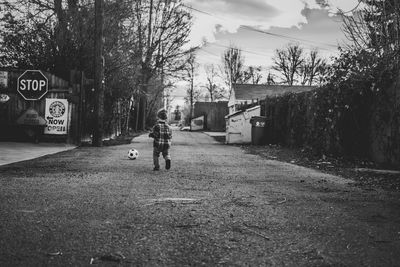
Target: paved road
column 11, row 152
column 216, row 206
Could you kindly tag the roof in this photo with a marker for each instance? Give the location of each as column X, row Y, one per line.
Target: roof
column 260, row 91
column 242, row 111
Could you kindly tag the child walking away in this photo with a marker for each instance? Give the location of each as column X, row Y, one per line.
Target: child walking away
column 162, row 135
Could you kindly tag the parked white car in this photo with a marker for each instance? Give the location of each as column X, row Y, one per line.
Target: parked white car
column 185, row 128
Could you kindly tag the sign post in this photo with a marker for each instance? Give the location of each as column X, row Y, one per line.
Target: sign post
column 32, row 85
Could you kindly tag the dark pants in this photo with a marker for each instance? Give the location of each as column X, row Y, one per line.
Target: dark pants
column 156, row 155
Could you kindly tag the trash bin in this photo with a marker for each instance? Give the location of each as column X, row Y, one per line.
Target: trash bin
column 258, row 130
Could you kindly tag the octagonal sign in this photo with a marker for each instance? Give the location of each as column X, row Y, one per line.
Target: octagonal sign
column 32, row 85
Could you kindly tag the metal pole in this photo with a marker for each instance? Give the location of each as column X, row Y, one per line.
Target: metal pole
column 144, row 78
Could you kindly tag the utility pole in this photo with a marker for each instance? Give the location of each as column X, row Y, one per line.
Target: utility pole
column 164, row 93
column 139, row 97
column 98, row 74
column 191, row 90
column 145, row 67
column 191, row 95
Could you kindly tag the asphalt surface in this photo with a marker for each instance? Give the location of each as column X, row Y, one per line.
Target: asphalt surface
column 217, row 206
column 11, row 152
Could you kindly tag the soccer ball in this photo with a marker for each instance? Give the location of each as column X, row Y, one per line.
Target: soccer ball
column 133, row 154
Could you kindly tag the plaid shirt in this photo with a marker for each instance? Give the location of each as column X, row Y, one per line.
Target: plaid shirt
column 162, row 135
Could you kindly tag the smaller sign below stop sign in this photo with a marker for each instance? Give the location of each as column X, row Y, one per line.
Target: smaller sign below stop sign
column 4, row 98
column 32, row 85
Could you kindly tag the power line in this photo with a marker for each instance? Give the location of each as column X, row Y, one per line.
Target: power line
column 224, row 46
column 349, row 11
column 200, row 11
column 250, row 52
column 270, row 33
column 208, row 52
column 288, row 37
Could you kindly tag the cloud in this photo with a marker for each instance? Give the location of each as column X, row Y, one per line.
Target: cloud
column 254, row 9
column 230, row 15
column 320, row 30
column 322, row 3
column 321, row 26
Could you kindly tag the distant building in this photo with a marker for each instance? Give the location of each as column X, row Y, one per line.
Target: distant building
column 214, row 114
column 250, row 93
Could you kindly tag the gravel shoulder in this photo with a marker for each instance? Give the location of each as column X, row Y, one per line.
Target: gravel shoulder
column 364, row 173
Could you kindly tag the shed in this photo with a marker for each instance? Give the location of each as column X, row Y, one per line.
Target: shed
column 238, row 127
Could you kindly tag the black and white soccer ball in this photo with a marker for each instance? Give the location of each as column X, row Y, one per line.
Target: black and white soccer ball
column 133, row 154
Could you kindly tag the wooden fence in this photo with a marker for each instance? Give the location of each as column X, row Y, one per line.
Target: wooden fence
column 214, row 113
column 79, row 94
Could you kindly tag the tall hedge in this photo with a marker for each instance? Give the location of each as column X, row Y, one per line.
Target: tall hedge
column 328, row 120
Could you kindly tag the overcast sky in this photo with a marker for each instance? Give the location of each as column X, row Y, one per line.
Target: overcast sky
column 259, row 27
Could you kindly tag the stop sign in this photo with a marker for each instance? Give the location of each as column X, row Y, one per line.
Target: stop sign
column 32, row 85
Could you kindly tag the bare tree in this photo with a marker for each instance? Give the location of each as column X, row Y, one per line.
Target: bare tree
column 288, row 61
column 312, row 68
column 215, row 91
column 270, row 78
column 168, row 98
column 232, row 60
column 192, row 93
column 376, row 29
column 51, row 35
column 253, row 75
column 161, row 29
